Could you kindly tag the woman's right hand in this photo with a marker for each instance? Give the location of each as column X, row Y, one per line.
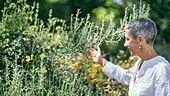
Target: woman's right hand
column 97, row 56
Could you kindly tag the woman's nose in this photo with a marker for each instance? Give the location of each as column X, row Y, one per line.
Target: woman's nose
column 125, row 44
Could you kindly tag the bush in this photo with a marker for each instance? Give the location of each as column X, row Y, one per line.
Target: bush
column 51, row 60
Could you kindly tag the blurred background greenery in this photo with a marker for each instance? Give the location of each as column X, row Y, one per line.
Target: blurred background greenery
column 62, row 9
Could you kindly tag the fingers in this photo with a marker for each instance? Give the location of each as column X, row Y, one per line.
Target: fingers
column 95, row 54
column 93, row 50
column 90, row 52
column 99, row 51
column 95, row 59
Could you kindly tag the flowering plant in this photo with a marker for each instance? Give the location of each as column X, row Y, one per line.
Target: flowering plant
column 51, row 60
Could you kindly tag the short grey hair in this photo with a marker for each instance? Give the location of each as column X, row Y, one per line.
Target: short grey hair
column 145, row 27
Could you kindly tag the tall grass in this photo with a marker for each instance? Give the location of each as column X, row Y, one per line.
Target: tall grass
column 51, row 60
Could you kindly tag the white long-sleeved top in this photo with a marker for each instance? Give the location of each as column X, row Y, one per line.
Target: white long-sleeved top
column 153, row 79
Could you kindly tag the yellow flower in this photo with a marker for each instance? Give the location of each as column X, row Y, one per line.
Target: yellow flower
column 67, row 71
column 131, row 58
column 42, row 55
column 125, row 61
column 48, row 47
column 85, row 73
column 44, row 70
column 96, row 85
column 61, row 20
column 28, row 58
column 32, row 57
column 103, row 87
column 38, row 46
column 107, row 90
column 98, row 79
column 43, row 67
column 95, row 65
column 76, row 65
column 113, row 92
column 66, row 38
column 121, row 51
column 123, row 89
column 127, row 65
column 123, row 65
column 61, row 65
column 109, row 87
column 92, row 81
column 58, row 36
column 108, row 81
column 57, row 57
column 80, row 58
column 80, row 54
column 58, row 27
column 94, row 70
column 118, row 57
column 72, row 66
column 67, row 58
column 23, row 33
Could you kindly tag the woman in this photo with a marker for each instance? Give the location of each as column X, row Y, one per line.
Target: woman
column 150, row 76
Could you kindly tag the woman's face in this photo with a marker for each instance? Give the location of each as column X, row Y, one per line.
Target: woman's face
column 131, row 43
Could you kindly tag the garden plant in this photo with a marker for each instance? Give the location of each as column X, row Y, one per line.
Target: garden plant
column 39, row 59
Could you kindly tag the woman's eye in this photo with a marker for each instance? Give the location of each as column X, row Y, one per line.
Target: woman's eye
column 127, row 39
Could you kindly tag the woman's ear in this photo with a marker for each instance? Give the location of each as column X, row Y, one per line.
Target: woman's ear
column 140, row 39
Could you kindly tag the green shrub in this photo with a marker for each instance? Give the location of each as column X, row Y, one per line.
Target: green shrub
column 35, row 59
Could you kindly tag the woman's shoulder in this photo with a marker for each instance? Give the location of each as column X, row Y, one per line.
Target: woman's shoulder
column 161, row 61
column 161, row 65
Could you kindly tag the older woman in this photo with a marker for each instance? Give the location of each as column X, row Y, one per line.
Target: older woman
column 150, row 75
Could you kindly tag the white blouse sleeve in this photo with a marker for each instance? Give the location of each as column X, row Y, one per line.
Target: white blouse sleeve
column 121, row 75
column 162, row 82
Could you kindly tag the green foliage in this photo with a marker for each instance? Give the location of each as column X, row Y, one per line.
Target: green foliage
column 35, row 59
column 15, row 30
column 28, row 49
